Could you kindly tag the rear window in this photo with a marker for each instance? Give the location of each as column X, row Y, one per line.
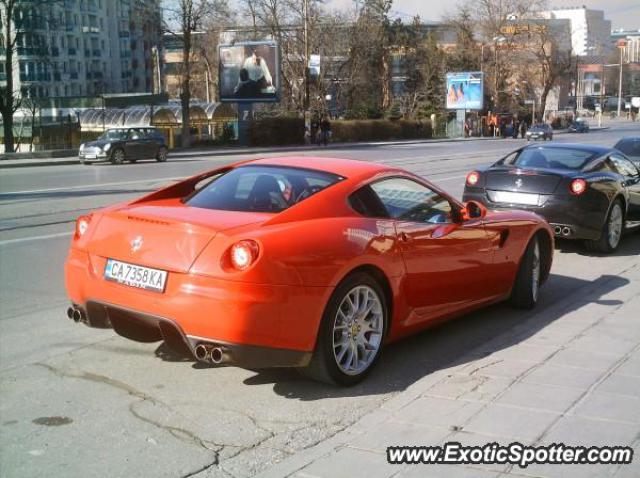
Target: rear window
column 261, row 188
column 630, row 147
column 550, row 158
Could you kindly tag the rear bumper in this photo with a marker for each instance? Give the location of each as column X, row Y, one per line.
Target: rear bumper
column 143, row 327
column 244, row 318
column 582, row 216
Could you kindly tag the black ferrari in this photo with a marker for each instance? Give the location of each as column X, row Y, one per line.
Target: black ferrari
column 585, row 192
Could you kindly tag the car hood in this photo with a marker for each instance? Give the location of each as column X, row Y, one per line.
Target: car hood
column 100, row 143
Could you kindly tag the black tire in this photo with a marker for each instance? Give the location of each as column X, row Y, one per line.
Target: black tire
column 604, row 244
column 117, row 156
column 524, row 294
column 323, row 366
column 161, row 157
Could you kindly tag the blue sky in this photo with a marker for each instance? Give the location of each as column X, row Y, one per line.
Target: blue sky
column 622, row 13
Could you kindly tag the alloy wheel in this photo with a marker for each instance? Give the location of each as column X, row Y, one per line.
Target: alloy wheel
column 357, row 330
column 615, row 226
column 535, row 272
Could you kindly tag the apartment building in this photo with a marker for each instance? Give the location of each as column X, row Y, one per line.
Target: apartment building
column 83, row 47
column 590, row 31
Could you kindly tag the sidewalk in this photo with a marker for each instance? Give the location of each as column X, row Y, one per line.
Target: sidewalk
column 573, row 380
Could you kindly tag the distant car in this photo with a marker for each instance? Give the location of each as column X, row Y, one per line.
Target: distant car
column 209, row 265
column 540, row 131
column 125, row 144
column 630, row 146
column 579, row 127
column 585, row 192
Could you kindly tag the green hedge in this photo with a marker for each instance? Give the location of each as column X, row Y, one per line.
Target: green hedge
column 282, row 131
column 379, row 130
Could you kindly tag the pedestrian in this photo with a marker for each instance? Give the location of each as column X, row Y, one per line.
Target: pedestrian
column 325, row 130
column 523, row 129
column 516, row 127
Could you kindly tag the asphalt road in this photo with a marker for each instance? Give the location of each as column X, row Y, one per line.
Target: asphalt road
column 81, row 402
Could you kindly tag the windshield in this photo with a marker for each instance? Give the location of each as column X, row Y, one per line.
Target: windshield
column 538, row 127
column 630, row 147
column 114, row 134
column 550, row 158
column 261, row 188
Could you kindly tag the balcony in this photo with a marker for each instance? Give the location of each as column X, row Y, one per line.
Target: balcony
column 86, row 29
column 31, row 51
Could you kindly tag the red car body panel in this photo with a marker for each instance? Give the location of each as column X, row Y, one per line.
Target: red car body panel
column 432, row 271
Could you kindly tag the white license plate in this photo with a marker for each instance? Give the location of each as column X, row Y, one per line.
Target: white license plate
column 515, row 198
column 135, row 276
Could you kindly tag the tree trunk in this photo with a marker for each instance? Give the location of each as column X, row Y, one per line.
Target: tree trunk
column 185, row 96
column 7, row 106
column 543, row 99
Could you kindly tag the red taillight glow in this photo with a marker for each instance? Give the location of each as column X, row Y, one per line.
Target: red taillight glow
column 82, row 225
column 243, row 254
column 578, row 186
column 472, row 178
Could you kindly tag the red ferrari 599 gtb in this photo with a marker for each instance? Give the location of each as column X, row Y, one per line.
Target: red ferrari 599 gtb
column 301, row 262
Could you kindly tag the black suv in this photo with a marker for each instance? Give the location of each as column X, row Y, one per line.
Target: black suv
column 125, row 144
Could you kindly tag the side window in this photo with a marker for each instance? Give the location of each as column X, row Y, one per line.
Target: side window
column 408, row 200
column 604, row 167
column 364, row 201
column 624, row 166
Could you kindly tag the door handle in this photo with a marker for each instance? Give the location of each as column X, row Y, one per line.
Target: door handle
column 404, row 237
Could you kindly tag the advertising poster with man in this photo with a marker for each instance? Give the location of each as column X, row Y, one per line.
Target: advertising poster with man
column 464, row 91
column 249, row 72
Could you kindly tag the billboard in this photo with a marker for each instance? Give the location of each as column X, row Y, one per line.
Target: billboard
column 249, row 72
column 464, row 91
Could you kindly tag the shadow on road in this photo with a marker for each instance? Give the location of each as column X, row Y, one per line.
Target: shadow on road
column 630, row 246
column 466, row 339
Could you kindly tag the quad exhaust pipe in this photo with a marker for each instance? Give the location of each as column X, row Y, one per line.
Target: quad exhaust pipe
column 76, row 314
column 209, row 353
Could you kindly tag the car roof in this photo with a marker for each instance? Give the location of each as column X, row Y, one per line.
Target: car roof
column 347, row 168
column 591, row 148
column 628, row 138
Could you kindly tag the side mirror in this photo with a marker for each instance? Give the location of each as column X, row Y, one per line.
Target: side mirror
column 473, row 210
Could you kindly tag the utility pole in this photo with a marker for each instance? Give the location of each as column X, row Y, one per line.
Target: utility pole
column 305, row 13
column 621, row 45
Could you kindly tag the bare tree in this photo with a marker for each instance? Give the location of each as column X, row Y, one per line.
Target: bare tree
column 182, row 18
column 11, row 37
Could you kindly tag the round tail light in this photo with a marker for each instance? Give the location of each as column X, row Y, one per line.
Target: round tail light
column 243, row 254
column 472, row 178
column 82, row 226
column 578, row 186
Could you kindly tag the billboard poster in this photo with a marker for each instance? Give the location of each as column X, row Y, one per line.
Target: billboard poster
column 249, row 72
column 464, row 91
